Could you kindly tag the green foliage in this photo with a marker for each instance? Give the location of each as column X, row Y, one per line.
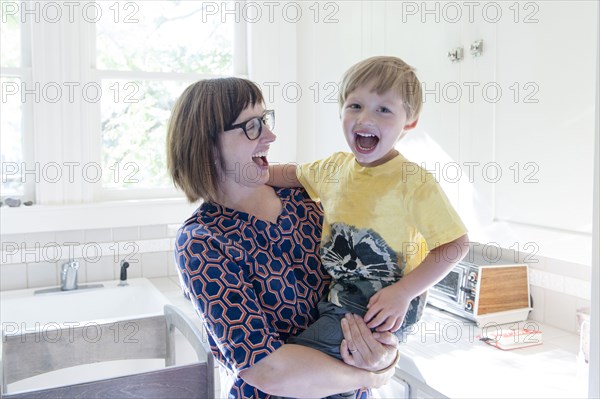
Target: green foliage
column 169, row 37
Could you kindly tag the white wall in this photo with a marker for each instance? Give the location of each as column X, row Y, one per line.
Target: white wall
column 530, row 222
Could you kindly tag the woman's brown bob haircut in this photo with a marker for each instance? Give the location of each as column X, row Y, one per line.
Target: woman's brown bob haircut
column 204, row 110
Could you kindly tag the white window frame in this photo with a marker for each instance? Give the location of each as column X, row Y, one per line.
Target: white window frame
column 100, row 193
column 68, row 133
column 23, row 73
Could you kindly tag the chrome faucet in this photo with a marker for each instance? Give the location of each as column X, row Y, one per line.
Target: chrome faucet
column 68, row 276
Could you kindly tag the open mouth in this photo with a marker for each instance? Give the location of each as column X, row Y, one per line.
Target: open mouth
column 260, row 159
column 366, row 142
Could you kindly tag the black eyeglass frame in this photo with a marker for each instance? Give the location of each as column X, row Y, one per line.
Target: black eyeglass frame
column 270, row 113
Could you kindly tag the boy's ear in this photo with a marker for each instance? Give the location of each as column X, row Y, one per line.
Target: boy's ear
column 411, row 125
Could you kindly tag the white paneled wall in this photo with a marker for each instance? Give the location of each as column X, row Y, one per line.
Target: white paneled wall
column 462, row 131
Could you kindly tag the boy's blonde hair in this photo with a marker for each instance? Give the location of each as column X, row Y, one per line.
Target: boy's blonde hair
column 385, row 73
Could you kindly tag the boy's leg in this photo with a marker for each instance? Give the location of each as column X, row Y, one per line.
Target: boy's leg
column 325, row 335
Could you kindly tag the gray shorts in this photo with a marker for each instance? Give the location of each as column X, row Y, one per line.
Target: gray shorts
column 325, row 334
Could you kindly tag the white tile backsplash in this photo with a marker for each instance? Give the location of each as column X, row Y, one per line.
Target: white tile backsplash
column 577, row 288
column 12, row 239
column 98, row 235
column 40, row 239
column 13, row 276
column 154, row 245
column 172, row 268
column 569, row 269
column 34, row 260
column 555, row 282
column 41, row 274
column 156, row 231
column 129, row 251
column 172, row 229
column 560, row 310
column 81, row 273
column 126, row 233
column 71, row 236
column 154, row 264
column 102, row 270
column 558, row 288
column 536, row 277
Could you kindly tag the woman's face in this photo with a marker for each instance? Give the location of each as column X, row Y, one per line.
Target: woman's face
column 245, row 161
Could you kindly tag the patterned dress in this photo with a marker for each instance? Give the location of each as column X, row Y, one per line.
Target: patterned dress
column 254, row 283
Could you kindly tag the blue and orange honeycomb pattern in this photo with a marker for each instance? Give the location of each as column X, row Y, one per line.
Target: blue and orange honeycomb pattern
column 254, row 283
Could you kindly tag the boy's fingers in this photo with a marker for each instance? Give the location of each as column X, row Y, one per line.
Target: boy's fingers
column 373, row 300
column 377, row 320
column 372, row 312
column 396, row 325
column 387, row 325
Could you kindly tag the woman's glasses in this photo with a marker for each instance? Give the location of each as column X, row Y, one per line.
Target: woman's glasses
column 253, row 127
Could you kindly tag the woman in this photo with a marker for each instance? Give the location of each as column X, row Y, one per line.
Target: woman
column 248, row 257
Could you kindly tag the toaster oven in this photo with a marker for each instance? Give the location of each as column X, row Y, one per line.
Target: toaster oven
column 484, row 291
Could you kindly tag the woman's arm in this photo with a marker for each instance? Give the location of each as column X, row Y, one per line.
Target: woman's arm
column 283, row 176
column 299, row 371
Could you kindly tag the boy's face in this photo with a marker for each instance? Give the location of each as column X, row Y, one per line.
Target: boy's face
column 373, row 124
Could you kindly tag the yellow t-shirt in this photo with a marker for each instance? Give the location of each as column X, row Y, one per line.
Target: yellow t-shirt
column 380, row 222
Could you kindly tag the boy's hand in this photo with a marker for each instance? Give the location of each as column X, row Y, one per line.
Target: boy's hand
column 387, row 308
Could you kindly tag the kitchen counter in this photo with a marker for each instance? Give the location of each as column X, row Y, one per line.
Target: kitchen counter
column 455, row 362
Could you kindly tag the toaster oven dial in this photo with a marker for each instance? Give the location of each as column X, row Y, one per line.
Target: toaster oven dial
column 472, row 277
column 469, row 305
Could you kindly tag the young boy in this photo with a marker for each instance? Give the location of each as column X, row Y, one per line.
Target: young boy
column 387, row 220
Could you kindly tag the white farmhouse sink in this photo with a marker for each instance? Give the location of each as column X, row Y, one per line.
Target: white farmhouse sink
column 23, row 311
column 60, row 313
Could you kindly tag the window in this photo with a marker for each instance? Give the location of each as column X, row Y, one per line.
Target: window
column 15, row 71
column 146, row 54
column 118, row 67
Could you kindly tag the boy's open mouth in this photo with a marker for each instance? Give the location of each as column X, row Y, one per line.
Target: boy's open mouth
column 260, row 158
column 366, row 141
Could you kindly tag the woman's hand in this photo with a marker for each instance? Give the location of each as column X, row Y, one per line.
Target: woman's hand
column 366, row 350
